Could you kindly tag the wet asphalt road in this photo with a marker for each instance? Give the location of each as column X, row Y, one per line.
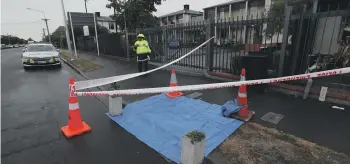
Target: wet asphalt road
column 34, row 107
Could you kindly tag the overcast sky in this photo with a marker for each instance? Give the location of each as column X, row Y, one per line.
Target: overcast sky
column 17, row 20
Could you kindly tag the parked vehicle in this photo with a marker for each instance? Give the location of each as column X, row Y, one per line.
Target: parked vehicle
column 9, row 46
column 3, row 46
column 40, row 55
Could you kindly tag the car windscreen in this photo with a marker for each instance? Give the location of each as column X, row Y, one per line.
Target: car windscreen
column 38, row 48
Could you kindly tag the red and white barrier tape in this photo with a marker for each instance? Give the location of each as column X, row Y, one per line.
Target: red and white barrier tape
column 103, row 81
column 215, row 85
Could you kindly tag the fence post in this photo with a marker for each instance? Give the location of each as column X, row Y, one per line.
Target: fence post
column 165, row 45
column 193, row 148
column 127, row 45
column 209, row 54
column 115, row 105
column 288, row 10
column 298, row 41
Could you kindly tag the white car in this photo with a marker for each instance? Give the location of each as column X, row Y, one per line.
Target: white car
column 40, row 55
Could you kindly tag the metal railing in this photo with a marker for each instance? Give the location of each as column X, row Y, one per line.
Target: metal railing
column 310, row 35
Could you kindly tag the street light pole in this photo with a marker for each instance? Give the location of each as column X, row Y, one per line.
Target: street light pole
column 47, row 27
column 66, row 29
column 126, row 32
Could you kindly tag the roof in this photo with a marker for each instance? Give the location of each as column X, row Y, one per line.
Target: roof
column 105, row 19
column 225, row 3
column 192, row 12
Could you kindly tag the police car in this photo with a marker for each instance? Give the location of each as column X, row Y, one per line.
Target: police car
column 40, row 55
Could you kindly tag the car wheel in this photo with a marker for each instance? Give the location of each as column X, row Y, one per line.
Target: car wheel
column 25, row 68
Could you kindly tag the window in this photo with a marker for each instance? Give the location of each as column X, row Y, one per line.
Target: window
column 209, row 13
column 111, row 26
column 40, row 47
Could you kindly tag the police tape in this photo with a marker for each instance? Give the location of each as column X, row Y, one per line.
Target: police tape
column 215, row 85
column 103, row 81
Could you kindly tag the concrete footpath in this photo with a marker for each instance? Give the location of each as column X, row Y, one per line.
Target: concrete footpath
column 309, row 119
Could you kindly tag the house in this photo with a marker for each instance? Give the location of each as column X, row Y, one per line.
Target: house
column 177, row 20
column 236, row 11
column 246, row 13
column 179, row 17
column 107, row 22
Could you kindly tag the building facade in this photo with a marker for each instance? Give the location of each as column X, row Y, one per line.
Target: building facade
column 180, row 17
column 238, row 11
column 107, row 22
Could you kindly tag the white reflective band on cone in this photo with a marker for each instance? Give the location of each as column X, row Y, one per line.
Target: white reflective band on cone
column 242, row 94
column 73, row 106
column 103, row 81
column 215, row 85
column 173, row 78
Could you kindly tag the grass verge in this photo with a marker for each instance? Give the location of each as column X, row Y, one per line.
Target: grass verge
column 253, row 143
column 83, row 64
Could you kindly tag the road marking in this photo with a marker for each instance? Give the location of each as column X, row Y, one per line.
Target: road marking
column 272, row 117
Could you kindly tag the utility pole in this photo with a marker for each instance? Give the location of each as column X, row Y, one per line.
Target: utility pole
column 43, row 34
column 66, row 29
column 85, row 6
column 47, row 28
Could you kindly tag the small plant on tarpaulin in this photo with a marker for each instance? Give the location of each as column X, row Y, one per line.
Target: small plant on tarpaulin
column 195, row 136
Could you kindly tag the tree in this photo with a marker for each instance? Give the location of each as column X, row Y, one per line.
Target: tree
column 113, row 4
column 135, row 13
column 8, row 39
column 30, row 39
column 275, row 23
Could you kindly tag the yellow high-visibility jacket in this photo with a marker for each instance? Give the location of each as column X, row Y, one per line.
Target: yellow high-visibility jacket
column 142, row 47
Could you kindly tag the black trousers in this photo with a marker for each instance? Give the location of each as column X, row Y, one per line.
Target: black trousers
column 145, row 65
column 142, row 59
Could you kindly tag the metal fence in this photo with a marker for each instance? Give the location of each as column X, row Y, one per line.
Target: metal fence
column 308, row 38
column 111, row 44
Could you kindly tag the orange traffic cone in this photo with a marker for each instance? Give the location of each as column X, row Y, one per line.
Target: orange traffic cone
column 76, row 125
column 242, row 99
column 244, row 114
column 173, row 83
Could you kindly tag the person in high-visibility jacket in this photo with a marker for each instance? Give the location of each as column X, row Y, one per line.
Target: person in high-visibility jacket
column 143, row 51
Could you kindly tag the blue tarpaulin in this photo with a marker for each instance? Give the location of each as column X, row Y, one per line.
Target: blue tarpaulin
column 160, row 122
column 230, row 107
